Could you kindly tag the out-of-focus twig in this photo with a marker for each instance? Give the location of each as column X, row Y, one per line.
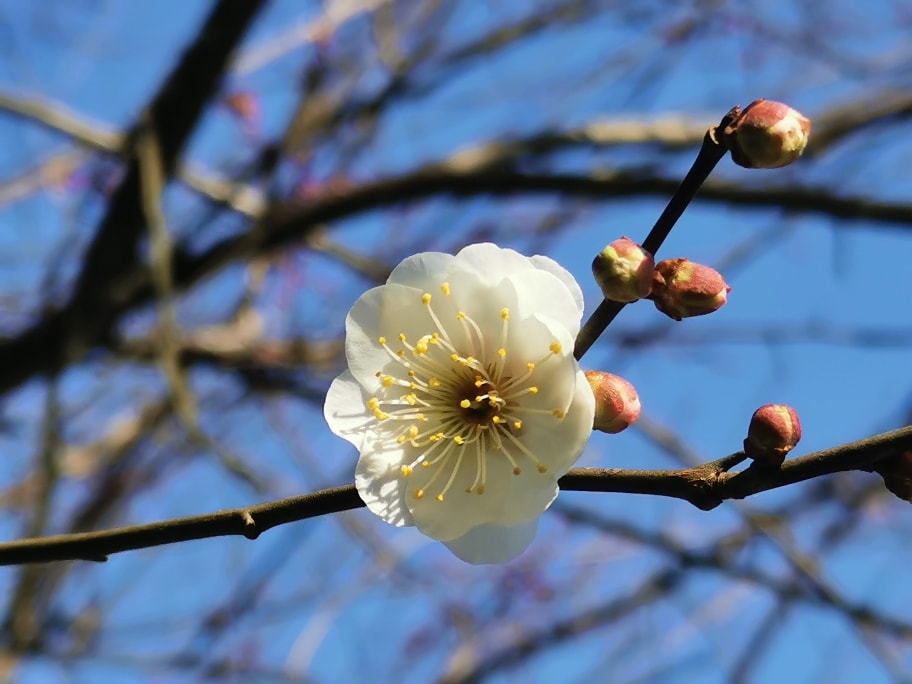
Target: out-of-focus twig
column 467, row 667
column 24, row 615
column 160, row 251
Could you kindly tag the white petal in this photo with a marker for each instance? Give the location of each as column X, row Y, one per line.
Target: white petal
column 543, row 293
column 460, row 511
column 490, row 263
column 423, row 271
column 382, row 487
column 508, row 499
column 345, row 410
column 545, row 306
column 551, row 266
column 384, row 311
column 494, row 543
column 559, row 443
column 377, row 475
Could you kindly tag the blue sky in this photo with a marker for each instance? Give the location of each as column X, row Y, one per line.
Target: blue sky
column 327, row 608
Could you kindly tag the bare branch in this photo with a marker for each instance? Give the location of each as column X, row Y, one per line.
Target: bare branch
column 704, row 486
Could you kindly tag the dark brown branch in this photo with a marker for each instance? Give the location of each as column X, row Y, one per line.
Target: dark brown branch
column 705, row 486
column 289, row 223
column 112, row 259
column 710, row 154
column 246, row 522
column 482, row 171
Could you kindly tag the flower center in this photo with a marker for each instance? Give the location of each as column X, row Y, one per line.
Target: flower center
column 479, row 404
column 455, row 406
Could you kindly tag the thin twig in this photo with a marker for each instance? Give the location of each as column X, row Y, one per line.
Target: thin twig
column 705, row 486
column 711, row 152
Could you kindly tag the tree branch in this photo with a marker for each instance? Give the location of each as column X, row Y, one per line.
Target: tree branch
column 112, row 259
column 705, row 486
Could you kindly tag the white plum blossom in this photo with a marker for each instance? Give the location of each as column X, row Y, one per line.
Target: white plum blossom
column 463, row 397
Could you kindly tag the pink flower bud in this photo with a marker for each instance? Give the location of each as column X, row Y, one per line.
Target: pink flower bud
column 245, row 105
column 896, row 472
column 624, row 270
column 767, row 135
column 682, row 289
column 774, row 431
column 617, row 405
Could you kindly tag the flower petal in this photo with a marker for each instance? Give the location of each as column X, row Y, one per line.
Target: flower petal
column 344, row 409
column 489, row 262
column 475, row 472
column 422, row 271
column 386, row 311
column 382, row 487
column 377, row 476
column 551, row 266
column 494, row 543
column 560, row 444
column 543, row 293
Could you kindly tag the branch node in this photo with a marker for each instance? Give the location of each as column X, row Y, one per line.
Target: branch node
column 250, row 526
column 726, row 463
column 706, row 483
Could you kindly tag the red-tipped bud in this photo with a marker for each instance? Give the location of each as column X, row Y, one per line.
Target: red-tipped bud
column 617, row 405
column 682, row 289
column 624, row 271
column 896, row 472
column 774, row 431
column 767, row 135
column 245, row 105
